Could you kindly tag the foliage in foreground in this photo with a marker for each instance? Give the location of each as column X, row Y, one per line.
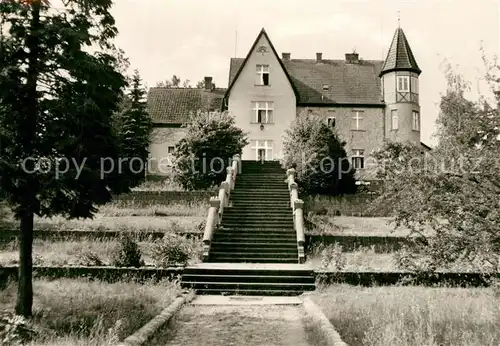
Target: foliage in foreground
column 319, row 157
column 453, row 189
column 202, row 156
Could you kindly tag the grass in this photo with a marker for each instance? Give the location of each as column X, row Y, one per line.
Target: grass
column 359, row 226
column 314, row 334
column 412, row 316
column 80, row 312
column 366, row 259
column 159, row 184
column 62, row 253
column 130, row 208
column 125, row 216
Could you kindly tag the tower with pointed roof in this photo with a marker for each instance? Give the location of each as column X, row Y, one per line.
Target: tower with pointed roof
column 399, row 81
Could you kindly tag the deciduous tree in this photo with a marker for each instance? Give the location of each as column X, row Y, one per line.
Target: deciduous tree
column 318, row 156
column 202, row 156
column 449, row 196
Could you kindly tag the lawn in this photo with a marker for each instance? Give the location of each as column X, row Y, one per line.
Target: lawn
column 412, row 316
column 85, row 251
column 360, row 226
column 80, row 312
column 365, row 259
column 124, row 216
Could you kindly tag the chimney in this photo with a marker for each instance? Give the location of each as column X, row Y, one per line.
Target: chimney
column 352, row 58
column 319, row 57
column 208, row 83
column 286, row 56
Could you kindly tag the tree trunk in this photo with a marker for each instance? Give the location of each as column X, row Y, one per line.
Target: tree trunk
column 24, row 302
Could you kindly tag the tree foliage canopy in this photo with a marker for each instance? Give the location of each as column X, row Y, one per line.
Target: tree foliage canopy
column 202, row 156
column 318, row 156
column 60, row 83
column 133, row 126
column 452, row 190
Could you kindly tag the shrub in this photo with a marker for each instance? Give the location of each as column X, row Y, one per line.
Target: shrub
column 172, row 249
column 333, row 254
column 202, row 156
column 319, row 157
column 14, row 330
column 89, row 258
column 127, row 254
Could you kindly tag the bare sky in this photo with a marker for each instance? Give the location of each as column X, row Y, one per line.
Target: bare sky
column 194, row 38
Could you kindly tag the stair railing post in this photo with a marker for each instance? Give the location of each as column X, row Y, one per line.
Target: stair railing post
column 290, row 174
column 223, row 196
column 294, row 193
column 236, row 166
column 212, row 222
column 229, row 178
column 298, row 215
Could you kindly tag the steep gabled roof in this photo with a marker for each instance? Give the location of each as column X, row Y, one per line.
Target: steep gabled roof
column 348, row 83
column 174, row 105
column 400, row 57
column 243, row 63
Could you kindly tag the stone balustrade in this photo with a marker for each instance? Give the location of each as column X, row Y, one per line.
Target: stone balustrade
column 217, row 205
column 211, row 224
column 297, row 206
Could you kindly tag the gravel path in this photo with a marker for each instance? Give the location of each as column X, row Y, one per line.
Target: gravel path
column 233, row 325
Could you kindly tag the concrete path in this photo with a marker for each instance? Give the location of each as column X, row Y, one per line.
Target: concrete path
column 238, row 321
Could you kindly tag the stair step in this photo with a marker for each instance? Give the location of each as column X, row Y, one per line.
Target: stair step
column 260, row 203
column 283, row 208
column 251, row 278
column 270, row 240
column 247, row 271
column 277, row 185
column 220, row 259
column 255, row 231
column 249, row 292
column 263, row 193
column 262, row 212
column 263, row 225
column 251, row 196
column 257, row 217
column 259, row 245
column 261, row 183
column 252, row 253
column 267, row 251
column 217, row 250
column 268, row 286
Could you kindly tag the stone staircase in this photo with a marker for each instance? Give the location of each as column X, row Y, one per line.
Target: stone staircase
column 254, row 250
column 258, row 226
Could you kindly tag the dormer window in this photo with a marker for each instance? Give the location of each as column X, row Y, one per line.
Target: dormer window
column 262, row 75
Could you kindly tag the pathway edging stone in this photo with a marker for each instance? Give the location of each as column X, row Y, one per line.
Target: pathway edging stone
column 147, row 331
column 313, row 311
